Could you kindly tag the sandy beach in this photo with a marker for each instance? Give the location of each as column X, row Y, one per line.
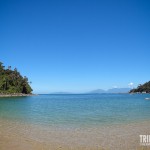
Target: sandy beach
column 20, row 136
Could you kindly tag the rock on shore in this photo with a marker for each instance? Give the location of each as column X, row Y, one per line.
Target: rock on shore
column 16, row 95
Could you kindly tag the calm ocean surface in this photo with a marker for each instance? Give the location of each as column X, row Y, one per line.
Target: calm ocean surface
column 76, row 109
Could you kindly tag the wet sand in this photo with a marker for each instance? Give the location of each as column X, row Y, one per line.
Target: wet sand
column 20, row 136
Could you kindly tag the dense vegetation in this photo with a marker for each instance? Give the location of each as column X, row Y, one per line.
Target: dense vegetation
column 142, row 88
column 12, row 82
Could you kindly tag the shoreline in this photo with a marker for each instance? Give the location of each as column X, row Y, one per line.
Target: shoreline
column 20, row 136
column 16, row 95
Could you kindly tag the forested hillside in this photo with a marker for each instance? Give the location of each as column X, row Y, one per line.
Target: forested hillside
column 142, row 88
column 11, row 81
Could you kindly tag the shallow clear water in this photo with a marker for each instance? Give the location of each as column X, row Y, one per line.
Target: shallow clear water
column 76, row 109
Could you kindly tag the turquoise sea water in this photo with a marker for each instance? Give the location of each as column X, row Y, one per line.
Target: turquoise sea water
column 76, row 109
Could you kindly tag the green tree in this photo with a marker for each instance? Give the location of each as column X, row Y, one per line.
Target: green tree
column 11, row 81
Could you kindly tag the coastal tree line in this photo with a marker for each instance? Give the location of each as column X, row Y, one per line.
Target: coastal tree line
column 11, row 81
column 142, row 88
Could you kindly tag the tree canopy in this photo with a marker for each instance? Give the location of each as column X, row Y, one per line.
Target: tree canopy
column 142, row 88
column 11, row 81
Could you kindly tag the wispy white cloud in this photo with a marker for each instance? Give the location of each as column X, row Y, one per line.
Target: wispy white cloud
column 131, row 84
column 115, row 86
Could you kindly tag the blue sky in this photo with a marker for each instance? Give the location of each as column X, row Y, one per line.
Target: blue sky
column 76, row 46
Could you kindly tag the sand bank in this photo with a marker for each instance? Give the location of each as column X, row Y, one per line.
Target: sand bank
column 20, row 136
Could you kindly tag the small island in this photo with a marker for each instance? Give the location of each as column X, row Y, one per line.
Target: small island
column 12, row 83
column 142, row 88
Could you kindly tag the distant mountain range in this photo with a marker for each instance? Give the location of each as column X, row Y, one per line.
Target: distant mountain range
column 61, row 93
column 113, row 90
column 99, row 91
